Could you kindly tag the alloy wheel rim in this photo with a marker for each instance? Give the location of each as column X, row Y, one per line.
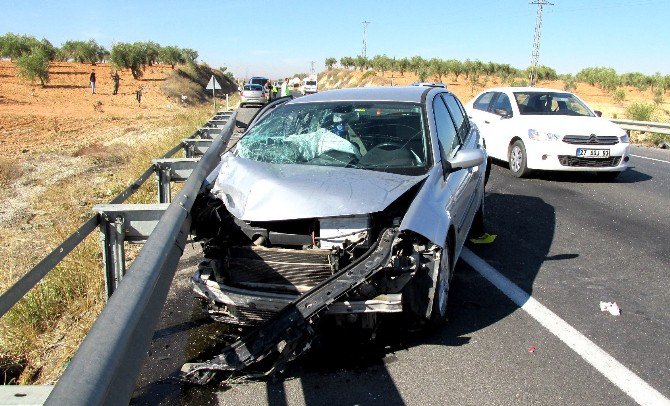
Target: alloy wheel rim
column 516, row 159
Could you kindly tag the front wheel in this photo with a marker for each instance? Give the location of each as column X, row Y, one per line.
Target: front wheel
column 438, row 314
column 518, row 160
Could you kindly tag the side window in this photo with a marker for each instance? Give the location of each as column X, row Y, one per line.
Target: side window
column 446, row 132
column 460, row 122
column 482, row 102
column 502, row 102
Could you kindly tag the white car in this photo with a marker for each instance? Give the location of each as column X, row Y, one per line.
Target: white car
column 547, row 129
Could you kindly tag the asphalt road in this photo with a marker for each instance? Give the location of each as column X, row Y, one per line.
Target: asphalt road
column 569, row 240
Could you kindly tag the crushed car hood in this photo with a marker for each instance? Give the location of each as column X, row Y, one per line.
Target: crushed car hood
column 259, row 191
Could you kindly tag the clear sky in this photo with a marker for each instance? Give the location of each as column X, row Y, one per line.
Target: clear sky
column 278, row 38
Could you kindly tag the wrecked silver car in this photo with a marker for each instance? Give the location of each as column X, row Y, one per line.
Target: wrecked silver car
column 378, row 187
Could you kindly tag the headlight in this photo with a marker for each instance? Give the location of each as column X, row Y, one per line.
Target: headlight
column 536, row 135
column 625, row 138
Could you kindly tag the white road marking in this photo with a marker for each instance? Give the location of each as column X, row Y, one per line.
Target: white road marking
column 651, row 159
column 619, row 375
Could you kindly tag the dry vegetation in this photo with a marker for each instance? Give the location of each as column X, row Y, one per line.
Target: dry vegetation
column 63, row 150
column 465, row 89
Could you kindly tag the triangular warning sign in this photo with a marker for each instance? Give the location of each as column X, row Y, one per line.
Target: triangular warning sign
column 213, row 84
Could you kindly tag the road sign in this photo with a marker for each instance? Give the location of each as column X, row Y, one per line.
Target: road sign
column 213, row 84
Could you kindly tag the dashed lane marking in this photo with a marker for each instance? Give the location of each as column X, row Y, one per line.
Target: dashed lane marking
column 619, row 375
column 651, row 159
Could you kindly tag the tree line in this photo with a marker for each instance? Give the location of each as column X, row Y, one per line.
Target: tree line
column 33, row 56
column 606, row 78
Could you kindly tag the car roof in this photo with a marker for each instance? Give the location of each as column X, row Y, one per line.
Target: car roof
column 412, row 94
column 524, row 89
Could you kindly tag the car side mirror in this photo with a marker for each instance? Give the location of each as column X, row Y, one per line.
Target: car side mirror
column 466, row 159
column 503, row 113
column 598, row 113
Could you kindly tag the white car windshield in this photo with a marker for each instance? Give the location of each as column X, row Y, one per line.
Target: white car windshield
column 383, row 136
column 551, row 103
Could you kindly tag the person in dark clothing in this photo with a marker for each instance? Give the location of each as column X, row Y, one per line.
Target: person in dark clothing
column 138, row 96
column 116, row 78
column 268, row 90
column 92, row 80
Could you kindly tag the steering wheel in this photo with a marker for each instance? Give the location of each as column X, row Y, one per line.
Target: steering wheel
column 393, row 145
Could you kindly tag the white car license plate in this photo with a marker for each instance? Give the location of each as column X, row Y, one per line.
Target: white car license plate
column 593, row 153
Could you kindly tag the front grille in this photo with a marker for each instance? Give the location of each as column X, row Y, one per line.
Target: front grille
column 277, row 269
column 569, row 160
column 591, row 139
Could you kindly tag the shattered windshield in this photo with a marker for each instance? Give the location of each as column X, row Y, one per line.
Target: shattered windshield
column 550, row 103
column 383, row 136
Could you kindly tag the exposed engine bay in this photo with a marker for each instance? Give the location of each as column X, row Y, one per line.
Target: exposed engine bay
column 253, row 269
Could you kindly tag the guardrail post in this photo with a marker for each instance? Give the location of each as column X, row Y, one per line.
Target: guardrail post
column 112, row 236
column 164, row 176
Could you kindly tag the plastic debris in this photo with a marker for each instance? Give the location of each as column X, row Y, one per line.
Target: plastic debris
column 531, row 348
column 485, row 238
column 610, row 307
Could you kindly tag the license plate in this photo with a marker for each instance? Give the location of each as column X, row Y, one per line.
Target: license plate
column 593, row 153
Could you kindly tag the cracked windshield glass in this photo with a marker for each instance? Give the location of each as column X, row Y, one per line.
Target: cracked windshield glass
column 376, row 136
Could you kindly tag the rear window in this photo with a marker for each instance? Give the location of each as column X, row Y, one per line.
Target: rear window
column 482, row 102
column 310, row 83
column 253, row 87
column 258, row 81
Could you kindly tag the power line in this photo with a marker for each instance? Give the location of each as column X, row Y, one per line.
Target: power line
column 536, row 40
column 365, row 34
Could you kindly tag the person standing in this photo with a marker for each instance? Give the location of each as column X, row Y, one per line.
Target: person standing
column 138, row 95
column 92, row 80
column 268, row 90
column 285, row 91
column 116, row 78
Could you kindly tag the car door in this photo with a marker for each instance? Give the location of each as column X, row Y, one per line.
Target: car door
column 468, row 192
column 481, row 116
column 498, row 122
column 458, row 184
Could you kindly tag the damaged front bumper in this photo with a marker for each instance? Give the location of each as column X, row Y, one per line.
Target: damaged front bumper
column 252, row 307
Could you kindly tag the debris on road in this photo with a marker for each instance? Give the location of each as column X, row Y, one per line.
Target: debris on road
column 610, row 307
column 485, row 238
column 531, row 348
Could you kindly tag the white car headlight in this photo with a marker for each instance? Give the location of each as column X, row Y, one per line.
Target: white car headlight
column 625, row 138
column 536, row 135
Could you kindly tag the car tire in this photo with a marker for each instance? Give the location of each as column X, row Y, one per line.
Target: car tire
column 608, row 176
column 487, row 174
column 518, row 160
column 477, row 229
column 438, row 313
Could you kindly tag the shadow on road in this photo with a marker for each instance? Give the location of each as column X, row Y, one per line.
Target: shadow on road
column 630, row 175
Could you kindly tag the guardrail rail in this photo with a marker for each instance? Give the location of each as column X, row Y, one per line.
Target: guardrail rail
column 106, row 365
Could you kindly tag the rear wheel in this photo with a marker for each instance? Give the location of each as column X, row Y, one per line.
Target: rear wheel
column 477, row 228
column 518, row 160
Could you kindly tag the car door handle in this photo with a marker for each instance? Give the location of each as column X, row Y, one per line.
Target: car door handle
column 487, row 121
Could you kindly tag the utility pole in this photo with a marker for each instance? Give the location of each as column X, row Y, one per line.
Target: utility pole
column 311, row 71
column 536, row 40
column 365, row 34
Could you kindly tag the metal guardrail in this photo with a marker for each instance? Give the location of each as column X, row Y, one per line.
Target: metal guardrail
column 12, row 295
column 106, row 366
column 647, row 126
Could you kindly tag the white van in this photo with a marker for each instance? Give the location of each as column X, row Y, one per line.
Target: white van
column 309, row 86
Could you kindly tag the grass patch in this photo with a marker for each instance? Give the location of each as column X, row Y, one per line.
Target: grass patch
column 10, row 170
column 40, row 334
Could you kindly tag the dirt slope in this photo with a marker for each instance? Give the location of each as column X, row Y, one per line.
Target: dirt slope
column 464, row 90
